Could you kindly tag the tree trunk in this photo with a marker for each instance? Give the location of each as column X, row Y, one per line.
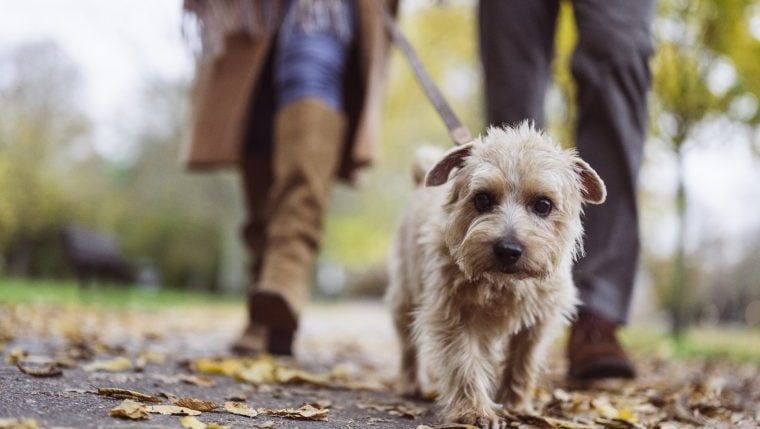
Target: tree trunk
column 679, row 299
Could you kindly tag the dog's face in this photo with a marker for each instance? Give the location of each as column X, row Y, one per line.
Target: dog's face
column 515, row 203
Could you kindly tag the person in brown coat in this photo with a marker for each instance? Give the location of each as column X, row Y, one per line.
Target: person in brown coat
column 289, row 92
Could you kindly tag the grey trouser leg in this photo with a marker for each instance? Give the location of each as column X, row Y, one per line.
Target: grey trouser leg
column 516, row 48
column 610, row 66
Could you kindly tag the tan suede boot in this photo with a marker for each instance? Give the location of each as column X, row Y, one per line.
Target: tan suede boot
column 308, row 142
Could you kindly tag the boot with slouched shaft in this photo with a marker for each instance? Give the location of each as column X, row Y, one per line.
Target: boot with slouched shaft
column 308, row 142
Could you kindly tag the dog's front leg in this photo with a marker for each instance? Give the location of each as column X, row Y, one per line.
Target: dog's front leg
column 463, row 357
column 525, row 352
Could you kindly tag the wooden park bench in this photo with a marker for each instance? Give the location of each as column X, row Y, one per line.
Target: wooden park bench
column 96, row 257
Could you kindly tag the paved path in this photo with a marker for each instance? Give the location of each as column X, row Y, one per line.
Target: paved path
column 355, row 340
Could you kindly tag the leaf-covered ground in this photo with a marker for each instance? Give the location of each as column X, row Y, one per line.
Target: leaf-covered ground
column 77, row 366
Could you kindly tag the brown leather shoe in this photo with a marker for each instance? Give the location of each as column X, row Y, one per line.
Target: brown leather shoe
column 593, row 350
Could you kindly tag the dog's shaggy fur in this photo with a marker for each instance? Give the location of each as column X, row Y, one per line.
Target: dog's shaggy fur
column 480, row 274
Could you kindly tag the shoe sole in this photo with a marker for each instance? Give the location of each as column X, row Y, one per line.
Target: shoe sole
column 603, row 369
column 271, row 310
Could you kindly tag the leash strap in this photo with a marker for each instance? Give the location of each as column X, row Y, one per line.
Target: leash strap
column 457, row 130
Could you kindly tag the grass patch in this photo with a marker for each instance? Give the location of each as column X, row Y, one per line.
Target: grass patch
column 18, row 291
column 719, row 343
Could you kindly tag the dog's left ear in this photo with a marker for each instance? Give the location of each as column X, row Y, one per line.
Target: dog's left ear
column 454, row 158
column 593, row 189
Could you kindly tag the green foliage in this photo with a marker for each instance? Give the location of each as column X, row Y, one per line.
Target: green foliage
column 51, row 177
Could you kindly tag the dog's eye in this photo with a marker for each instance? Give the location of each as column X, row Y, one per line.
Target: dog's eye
column 542, row 206
column 483, row 202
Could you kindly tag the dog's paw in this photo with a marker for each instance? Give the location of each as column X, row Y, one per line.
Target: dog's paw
column 518, row 405
column 482, row 421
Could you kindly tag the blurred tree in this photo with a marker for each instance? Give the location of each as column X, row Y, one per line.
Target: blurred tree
column 167, row 217
column 705, row 63
column 182, row 225
column 40, row 123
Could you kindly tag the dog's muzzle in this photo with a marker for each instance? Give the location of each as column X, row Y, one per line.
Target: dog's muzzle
column 507, row 252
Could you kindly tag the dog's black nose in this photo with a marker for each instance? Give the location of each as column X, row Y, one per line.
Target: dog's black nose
column 508, row 252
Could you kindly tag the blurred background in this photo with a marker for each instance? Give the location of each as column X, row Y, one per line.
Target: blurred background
column 93, row 104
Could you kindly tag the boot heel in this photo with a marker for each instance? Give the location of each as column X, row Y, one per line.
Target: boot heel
column 271, row 310
column 281, row 341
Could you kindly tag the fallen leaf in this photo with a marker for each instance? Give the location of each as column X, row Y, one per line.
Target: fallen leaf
column 118, row 364
column 80, row 391
column 604, row 407
column 18, row 424
column 296, row 376
column 197, row 380
column 171, row 410
column 266, row 425
column 191, row 422
column 257, row 371
column 617, row 423
column 115, row 392
column 226, row 366
column 16, row 355
column 154, row 358
column 627, row 414
column 306, row 412
column 550, row 422
column 240, row 408
column 404, row 409
column 321, row 403
column 448, row 426
column 47, row 370
column 195, row 404
column 130, row 409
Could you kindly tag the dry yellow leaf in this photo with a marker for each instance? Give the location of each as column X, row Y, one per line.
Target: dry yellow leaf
column 226, row 367
column 150, row 358
column 118, row 364
column 18, row 424
column 627, row 414
column 258, row 371
column 197, row 380
column 266, row 425
column 115, row 392
column 296, row 376
column 306, row 412
column 195, row 404
column 171, row 410
column 606, row 410
column 240, row 408
column 16, row 355
column 193, row 423
column 130, row 409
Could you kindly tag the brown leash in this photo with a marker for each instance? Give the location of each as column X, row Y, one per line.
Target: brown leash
column 457, row 130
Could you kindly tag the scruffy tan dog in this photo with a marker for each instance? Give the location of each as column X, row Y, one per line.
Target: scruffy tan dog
column 480, row 275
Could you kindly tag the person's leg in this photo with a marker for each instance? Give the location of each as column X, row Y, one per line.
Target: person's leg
column 309, row 132
column 516, row 48
column 611, row 68
column 256, row 169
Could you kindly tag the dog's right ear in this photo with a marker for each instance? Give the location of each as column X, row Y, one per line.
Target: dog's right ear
column 454, row 158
